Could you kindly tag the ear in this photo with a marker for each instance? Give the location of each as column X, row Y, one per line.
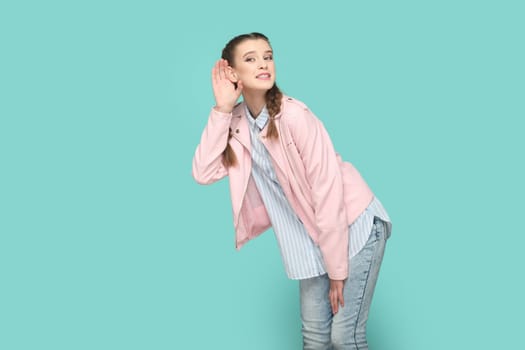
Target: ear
column 231, row 75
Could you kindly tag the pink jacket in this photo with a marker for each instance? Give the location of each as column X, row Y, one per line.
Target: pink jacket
column 326, row 193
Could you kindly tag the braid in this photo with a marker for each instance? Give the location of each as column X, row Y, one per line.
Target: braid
column 228, row 156
column 273, row 104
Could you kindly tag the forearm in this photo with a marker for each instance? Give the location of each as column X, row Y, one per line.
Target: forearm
column 207, row 161
column 334, row 247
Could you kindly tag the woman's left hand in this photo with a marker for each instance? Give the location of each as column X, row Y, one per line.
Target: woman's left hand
column 336, row 294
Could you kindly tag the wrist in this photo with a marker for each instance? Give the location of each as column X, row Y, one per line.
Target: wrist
column 223, row 109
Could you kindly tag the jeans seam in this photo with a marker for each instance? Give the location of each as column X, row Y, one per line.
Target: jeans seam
column 362, row 300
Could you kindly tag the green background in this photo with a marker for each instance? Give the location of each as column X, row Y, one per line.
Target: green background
column 106, row 242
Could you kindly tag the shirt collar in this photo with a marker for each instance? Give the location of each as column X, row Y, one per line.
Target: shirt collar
column 261, row 120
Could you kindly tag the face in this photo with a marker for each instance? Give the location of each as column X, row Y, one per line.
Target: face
column 253, row 65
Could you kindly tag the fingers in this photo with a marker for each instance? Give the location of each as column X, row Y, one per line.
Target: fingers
column 333, row 302
column 216, row 70
column 336, row 295
column 335, row 298
column 215, row 73
column 341, row 297
column 219, row 71
column 225, row 91
column 222, row 69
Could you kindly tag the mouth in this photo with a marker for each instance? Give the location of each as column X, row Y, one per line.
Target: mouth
column 263, row 76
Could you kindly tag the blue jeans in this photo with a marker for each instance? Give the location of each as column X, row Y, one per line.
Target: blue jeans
column 347, row 329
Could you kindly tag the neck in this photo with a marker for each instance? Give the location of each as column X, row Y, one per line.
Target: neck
column 255, row 101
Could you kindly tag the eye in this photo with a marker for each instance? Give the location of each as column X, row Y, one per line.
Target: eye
column 249, row 59
column 268, row 58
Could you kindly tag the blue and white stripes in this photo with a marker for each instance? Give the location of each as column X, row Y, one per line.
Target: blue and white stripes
column 301, row 257
column 360, row 229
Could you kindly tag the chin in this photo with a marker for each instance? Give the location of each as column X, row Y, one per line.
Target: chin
column 260, row 87
column 265, row 85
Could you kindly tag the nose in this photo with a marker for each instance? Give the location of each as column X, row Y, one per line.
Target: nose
column 263, row 64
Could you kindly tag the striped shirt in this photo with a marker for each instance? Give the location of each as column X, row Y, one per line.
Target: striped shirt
column 302, row 258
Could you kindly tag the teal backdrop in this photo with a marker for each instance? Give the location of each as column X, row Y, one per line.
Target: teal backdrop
column 106, row 242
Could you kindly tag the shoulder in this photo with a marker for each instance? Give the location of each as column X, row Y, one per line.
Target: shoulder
column 291, row 104
column 297, row 121
column 296, row 113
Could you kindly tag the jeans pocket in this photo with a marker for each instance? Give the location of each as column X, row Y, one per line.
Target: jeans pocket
column 374, row 236
column 378, row 230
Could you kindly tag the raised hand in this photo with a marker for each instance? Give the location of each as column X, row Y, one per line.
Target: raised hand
column 225, row 91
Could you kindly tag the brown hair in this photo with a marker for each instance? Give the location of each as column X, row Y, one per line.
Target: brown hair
column 273, row 96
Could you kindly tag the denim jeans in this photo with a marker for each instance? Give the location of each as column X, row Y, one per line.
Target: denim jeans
column 347, row 328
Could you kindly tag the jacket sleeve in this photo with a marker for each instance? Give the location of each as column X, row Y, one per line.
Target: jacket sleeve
column 325, row 179
column 207, row 161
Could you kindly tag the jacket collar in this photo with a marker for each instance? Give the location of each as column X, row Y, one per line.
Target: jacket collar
column 239, row 126
column 261, row 120
column 240, row 131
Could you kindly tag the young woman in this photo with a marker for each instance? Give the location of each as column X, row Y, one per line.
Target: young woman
column 284, row 173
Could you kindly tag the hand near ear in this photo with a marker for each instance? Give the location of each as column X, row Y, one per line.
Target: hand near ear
column 225, row 90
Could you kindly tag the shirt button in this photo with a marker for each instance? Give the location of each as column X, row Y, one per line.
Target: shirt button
column 237, row 131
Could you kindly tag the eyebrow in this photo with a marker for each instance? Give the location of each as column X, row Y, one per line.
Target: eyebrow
column 250, row 52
